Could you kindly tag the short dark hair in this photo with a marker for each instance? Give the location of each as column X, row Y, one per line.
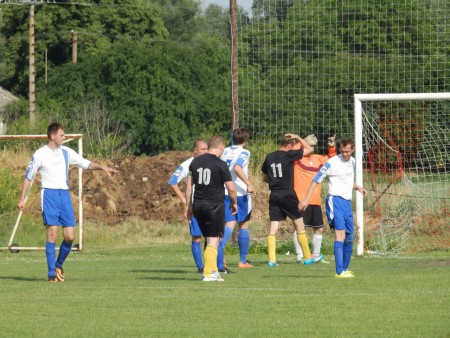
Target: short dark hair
column 53, row 128
column 198, row 141
column 241, row 135
column 346, row 141
column 287, row 139
column 215, row 142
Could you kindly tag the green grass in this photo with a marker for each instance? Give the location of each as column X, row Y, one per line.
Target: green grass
column 154, row 291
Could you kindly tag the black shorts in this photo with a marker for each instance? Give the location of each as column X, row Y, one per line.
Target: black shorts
column 312, row 216
column 283, row 203
column 210, row 217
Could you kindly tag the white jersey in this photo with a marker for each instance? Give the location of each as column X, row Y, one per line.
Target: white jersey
column 53, row 164
column 181, row 173
column 341, row 175
column 237, row 156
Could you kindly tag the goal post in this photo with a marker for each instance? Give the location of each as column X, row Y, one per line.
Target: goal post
column 68, row 138
column 409, row 160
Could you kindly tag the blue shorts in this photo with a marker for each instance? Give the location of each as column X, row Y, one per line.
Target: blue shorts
column 57, row 207
column 339, row 213
column 194, row 227
column 244, row 209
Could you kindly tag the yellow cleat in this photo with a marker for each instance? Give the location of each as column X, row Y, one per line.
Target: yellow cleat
column 344, row 274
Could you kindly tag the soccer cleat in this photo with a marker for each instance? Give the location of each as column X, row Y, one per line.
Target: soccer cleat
column 323, row 261
column 349, row 272
column 200, row 270
column 59, row 274
column 245, row 265
column 214, row 277
column 344, row 274
column 272, row 264
column 226, row 271
column 310, row 261
column 52, row 280
column 318, row 258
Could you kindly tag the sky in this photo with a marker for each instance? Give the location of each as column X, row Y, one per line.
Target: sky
column 246, row 4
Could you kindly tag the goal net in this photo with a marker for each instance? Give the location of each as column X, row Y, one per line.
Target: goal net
column 301, row 62
column 402, row 153
column 12, row 221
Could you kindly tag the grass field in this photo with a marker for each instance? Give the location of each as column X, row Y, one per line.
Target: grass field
column 154, row 291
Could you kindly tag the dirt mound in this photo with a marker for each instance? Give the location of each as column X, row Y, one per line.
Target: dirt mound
column 139, row 190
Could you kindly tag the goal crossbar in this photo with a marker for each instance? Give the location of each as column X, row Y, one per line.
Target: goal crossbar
column 68, row 138
column 358, row 100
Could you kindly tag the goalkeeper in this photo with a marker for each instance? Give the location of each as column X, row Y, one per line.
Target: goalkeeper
column 304, row 171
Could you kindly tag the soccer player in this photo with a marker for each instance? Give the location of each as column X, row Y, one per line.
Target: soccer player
column 304, row 171
column 278, row 171
column 340, row 170
column 209, row 174
column 237, row 159
column 200, row 148
column 53, row 161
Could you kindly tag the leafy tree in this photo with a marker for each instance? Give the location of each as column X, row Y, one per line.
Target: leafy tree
column 98, row 23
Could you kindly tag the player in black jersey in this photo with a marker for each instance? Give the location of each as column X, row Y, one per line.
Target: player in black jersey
column 209, row 174
column 278, row 171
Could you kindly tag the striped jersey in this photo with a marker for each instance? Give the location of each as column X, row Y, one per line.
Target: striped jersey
column 181, row 173
column 53, row 164
column 341, row 176
column 237, row 156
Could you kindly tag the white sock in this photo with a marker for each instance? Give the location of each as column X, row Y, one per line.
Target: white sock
column 317, row 243
column 298, row 248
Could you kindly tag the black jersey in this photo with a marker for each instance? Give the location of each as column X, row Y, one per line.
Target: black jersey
column 209, row 173
column 280, row 169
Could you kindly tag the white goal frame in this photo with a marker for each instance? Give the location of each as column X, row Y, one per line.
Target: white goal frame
column 358, row 99
column 69, row 137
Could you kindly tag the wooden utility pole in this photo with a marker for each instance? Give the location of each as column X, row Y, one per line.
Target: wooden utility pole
column 234, row 66
column 32, row 70
column 74, row 47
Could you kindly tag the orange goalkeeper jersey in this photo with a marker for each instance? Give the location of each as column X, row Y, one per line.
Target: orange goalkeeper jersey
column 304, row 171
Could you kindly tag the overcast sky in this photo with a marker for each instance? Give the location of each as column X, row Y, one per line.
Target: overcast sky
column 246, row 4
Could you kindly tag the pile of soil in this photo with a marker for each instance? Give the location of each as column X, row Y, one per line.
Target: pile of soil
column 140, row 190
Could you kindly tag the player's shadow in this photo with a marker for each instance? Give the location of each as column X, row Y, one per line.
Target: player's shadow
column 158, row 278
column 21, row 279
column 177, row 271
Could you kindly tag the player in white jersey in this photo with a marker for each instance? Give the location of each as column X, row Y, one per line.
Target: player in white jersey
column 53, row 161
column 237, row 159
column 341, row 173
column 200, row 148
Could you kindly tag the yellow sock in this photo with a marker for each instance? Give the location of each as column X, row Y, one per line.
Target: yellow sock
column 271, row 248
column 210, row 255
column 303, row 240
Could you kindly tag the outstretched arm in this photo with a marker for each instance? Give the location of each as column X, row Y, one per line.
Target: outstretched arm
column 108, row 170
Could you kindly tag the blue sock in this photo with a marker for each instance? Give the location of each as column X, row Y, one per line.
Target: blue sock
column 220, row 255
column 196, row 248
column 348, row 249
column 221, row 248
column 339, row 256
column 226, row 236
column 50, row 252
column 244, row 243
column 64, row 251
